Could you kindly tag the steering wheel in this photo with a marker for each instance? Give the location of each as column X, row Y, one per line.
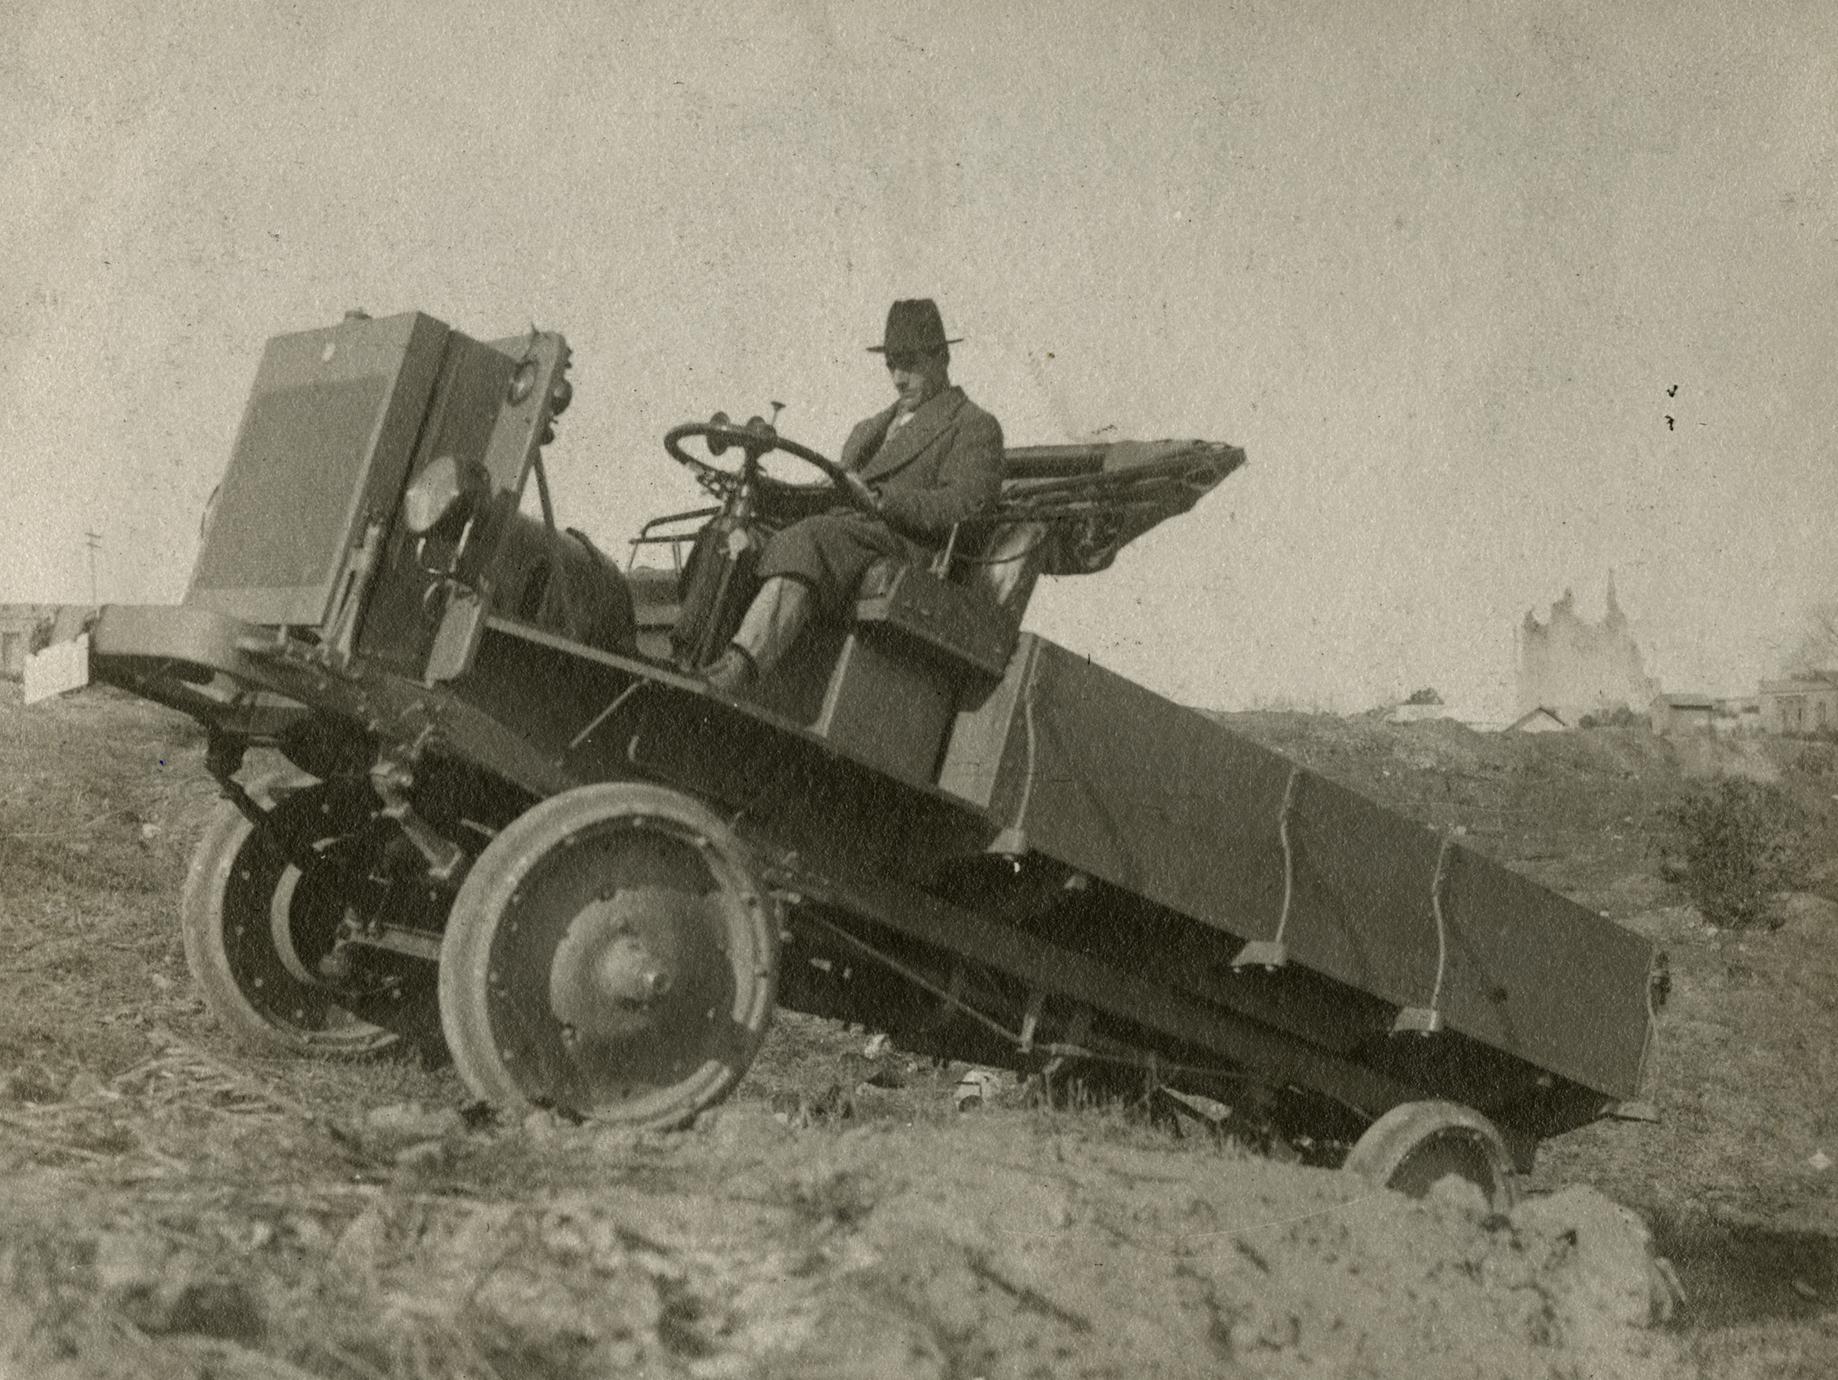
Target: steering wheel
column 755, row 440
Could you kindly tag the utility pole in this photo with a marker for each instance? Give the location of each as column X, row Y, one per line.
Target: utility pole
column 92, row 540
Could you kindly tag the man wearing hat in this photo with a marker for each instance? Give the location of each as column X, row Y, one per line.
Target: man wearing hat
column 916, row 469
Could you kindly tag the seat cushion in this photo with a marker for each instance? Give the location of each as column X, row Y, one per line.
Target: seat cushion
column 962, row 625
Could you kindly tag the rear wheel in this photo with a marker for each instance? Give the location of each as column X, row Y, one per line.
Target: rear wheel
column 610, row 953
column 256, row 926
column 1415, row 1145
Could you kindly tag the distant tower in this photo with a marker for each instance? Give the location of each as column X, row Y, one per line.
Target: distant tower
column 1577, row 667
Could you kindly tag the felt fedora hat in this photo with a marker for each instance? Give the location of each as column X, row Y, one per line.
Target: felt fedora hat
column 914, row 327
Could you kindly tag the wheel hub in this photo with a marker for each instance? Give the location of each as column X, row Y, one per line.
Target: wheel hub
column 616, row 970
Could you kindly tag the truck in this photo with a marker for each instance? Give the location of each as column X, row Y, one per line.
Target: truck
column 515, row 824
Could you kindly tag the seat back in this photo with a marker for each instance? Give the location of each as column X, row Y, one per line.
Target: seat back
column 1009, row 567
column 657, row 604
column 1003, row 565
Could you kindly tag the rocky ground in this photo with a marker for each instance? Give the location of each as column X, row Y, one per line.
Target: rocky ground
column 170, row 1207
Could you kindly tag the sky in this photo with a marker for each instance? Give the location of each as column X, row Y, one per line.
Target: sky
column 1497, row 296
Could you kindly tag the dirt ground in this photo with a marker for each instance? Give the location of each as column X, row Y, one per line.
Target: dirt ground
column 171, row 1207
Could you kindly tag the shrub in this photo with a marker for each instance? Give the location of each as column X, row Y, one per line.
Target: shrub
column 1741, row 842
column 1621, row 716
column 1816, row 760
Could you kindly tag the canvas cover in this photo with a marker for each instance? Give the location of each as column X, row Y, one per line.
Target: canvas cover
column 1095, row 499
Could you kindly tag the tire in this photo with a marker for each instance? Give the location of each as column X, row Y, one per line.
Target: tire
column 610, row 953
column 1416, row 1144
column 241, row 893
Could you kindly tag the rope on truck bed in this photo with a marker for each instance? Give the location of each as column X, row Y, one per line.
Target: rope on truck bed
column 1427, row 1020
column 1273, row 953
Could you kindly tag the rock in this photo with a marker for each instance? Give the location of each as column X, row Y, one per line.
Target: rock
column 1610, row 1253
column 84, row 1085
column 530, row 1323
column 743, row 1126
column 875, row 1099
column 1464, row 1195
column 543, row 1125
column 886, row 1076
column 308, row 1234
column 616, row 1142
column 32, row 1083
column 360, row 1246
column 165, row 1290
column 861, row 1334
column 975, row 1088
column 1801, row 908
column 425, row 1158
column 387, row 1130
column 225, row 1308
column 127, row 1262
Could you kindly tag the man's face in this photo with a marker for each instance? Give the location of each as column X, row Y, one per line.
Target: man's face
column 918, row 377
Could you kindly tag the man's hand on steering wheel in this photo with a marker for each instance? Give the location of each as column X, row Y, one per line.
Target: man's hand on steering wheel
column 863, row 496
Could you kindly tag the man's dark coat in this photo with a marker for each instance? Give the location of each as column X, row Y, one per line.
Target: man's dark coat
column 942, row 466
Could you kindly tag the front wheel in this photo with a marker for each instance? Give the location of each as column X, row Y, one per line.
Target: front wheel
column 611, row 953
column 256, row 925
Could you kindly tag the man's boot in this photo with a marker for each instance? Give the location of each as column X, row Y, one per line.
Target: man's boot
column 776, row 616
column 732, row 672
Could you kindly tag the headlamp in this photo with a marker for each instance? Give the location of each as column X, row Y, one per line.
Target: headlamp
column 446, row 492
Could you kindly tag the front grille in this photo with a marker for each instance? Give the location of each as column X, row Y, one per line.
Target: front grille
column 281, row 519
column 325, row 443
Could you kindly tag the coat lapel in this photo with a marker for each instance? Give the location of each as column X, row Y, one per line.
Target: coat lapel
column 906, row 442
column 866, row 438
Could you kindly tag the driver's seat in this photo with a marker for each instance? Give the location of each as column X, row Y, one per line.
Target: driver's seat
column 967, row 606
column 964, row 607
column 926, row 643
column 955, row 622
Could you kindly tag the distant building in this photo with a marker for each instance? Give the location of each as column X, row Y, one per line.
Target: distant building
column 1417, row 713
column 1539, row 720
column 1800, row 704
column 1739, row 714
column 1574, row 667
column 1684, row 713
column 1472, row 716
column 24, row 627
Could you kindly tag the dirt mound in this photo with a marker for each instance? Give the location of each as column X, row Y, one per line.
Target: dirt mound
column 1012, row 1244
column 170, row 1207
